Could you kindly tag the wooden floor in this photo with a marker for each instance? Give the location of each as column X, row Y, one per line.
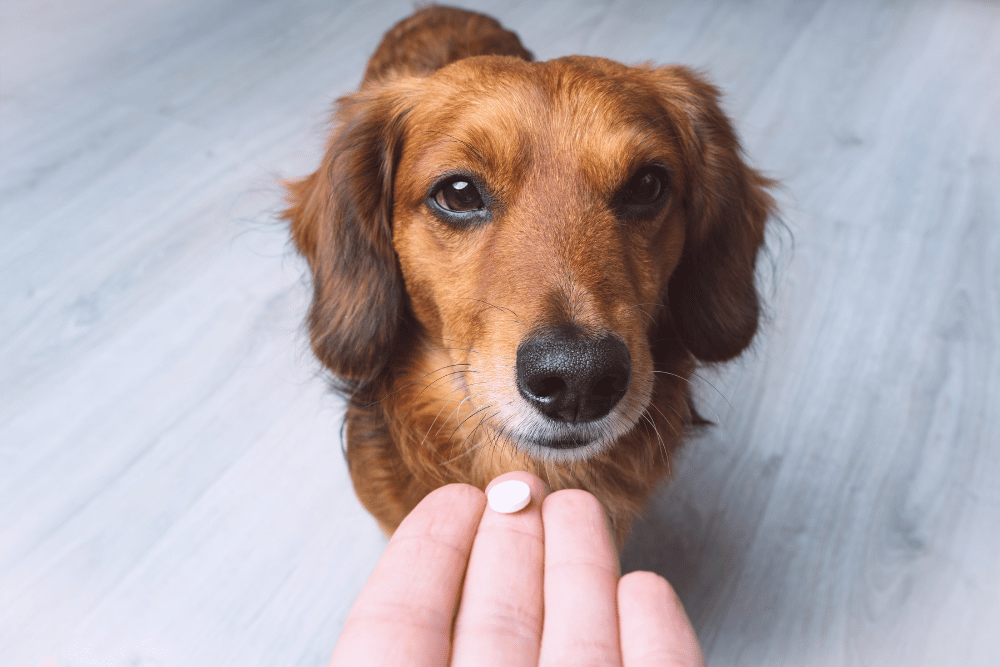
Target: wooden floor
column 172, row 490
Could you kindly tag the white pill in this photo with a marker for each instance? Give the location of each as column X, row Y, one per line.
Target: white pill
column 510, row 496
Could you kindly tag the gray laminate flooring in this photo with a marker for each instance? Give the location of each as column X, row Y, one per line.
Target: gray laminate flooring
column 171, row 485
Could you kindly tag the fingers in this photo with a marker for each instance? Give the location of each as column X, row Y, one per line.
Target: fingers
column 404, row 614
column 499, row 619
column 655, row 631
column 581, row 578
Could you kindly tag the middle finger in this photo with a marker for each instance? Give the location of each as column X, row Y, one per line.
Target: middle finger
column 581, row 582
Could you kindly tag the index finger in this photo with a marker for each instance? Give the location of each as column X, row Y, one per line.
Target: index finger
column 404, row 612
column 499, row 621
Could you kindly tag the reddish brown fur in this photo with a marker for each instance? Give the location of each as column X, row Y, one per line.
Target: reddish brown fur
column 421, row 321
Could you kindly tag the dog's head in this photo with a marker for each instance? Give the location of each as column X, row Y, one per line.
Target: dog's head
column 550, row 224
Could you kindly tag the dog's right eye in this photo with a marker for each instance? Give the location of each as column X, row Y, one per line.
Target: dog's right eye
column 458, row 195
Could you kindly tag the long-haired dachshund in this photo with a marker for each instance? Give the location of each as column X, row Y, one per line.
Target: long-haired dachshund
column 517, row 265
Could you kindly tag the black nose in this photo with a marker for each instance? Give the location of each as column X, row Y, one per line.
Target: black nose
column 572, row 378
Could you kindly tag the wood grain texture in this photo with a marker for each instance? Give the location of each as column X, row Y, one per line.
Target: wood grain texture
column 171, row 482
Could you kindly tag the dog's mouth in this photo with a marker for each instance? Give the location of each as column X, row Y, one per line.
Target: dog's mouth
column 562, row 443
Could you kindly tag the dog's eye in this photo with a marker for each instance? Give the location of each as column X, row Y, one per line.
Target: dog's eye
column 458, row 195
column 646, row 187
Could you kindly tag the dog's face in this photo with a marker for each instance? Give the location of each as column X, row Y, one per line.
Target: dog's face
column 548, row 226
column 536, row 223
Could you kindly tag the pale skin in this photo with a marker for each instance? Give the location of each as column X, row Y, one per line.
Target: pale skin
column 460, row 584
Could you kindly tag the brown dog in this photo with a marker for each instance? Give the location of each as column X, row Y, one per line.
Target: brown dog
column 518, row 265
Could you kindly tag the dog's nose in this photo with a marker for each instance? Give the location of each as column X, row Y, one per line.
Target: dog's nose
column 572, row 378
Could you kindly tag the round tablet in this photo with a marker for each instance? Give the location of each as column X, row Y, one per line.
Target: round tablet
column 510, row 496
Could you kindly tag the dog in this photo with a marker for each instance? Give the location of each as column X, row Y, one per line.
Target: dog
column 518, row 265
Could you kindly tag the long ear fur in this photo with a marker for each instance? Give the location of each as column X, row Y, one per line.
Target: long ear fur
column 712, row 294
column 341, row 221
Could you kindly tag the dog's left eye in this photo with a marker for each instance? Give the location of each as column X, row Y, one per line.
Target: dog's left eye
column 458, row 195
column 646, row 187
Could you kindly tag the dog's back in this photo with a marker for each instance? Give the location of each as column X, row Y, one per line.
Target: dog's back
column 436, row 36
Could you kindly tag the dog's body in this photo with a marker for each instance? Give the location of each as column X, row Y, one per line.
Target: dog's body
column 518, row 265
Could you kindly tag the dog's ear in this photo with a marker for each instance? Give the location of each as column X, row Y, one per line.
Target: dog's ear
column 712, row 295
column 341, row 222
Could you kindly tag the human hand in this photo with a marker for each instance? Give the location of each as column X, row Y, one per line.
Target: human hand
column 460, row 584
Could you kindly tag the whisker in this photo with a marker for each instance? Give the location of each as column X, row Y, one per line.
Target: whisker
column 483, row 444
column 715, row 413
column 444, row 398
column 481, row 420
column 474, row 151
column 676, row 390
column 667, row 421
column 703, row 379
column 663, row 447
column 431, row 384
column 516, row 319
column 500, row 434
column 465, row 453
column 552, row 472
column 636, row 307
column 679, row 377
column 453, row 412
column 563, row 465
column 465, row 420
column 401, row 388
column 415, row 406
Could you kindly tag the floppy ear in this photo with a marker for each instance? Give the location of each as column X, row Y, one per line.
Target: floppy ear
column 712, row 295
column 341, row 221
